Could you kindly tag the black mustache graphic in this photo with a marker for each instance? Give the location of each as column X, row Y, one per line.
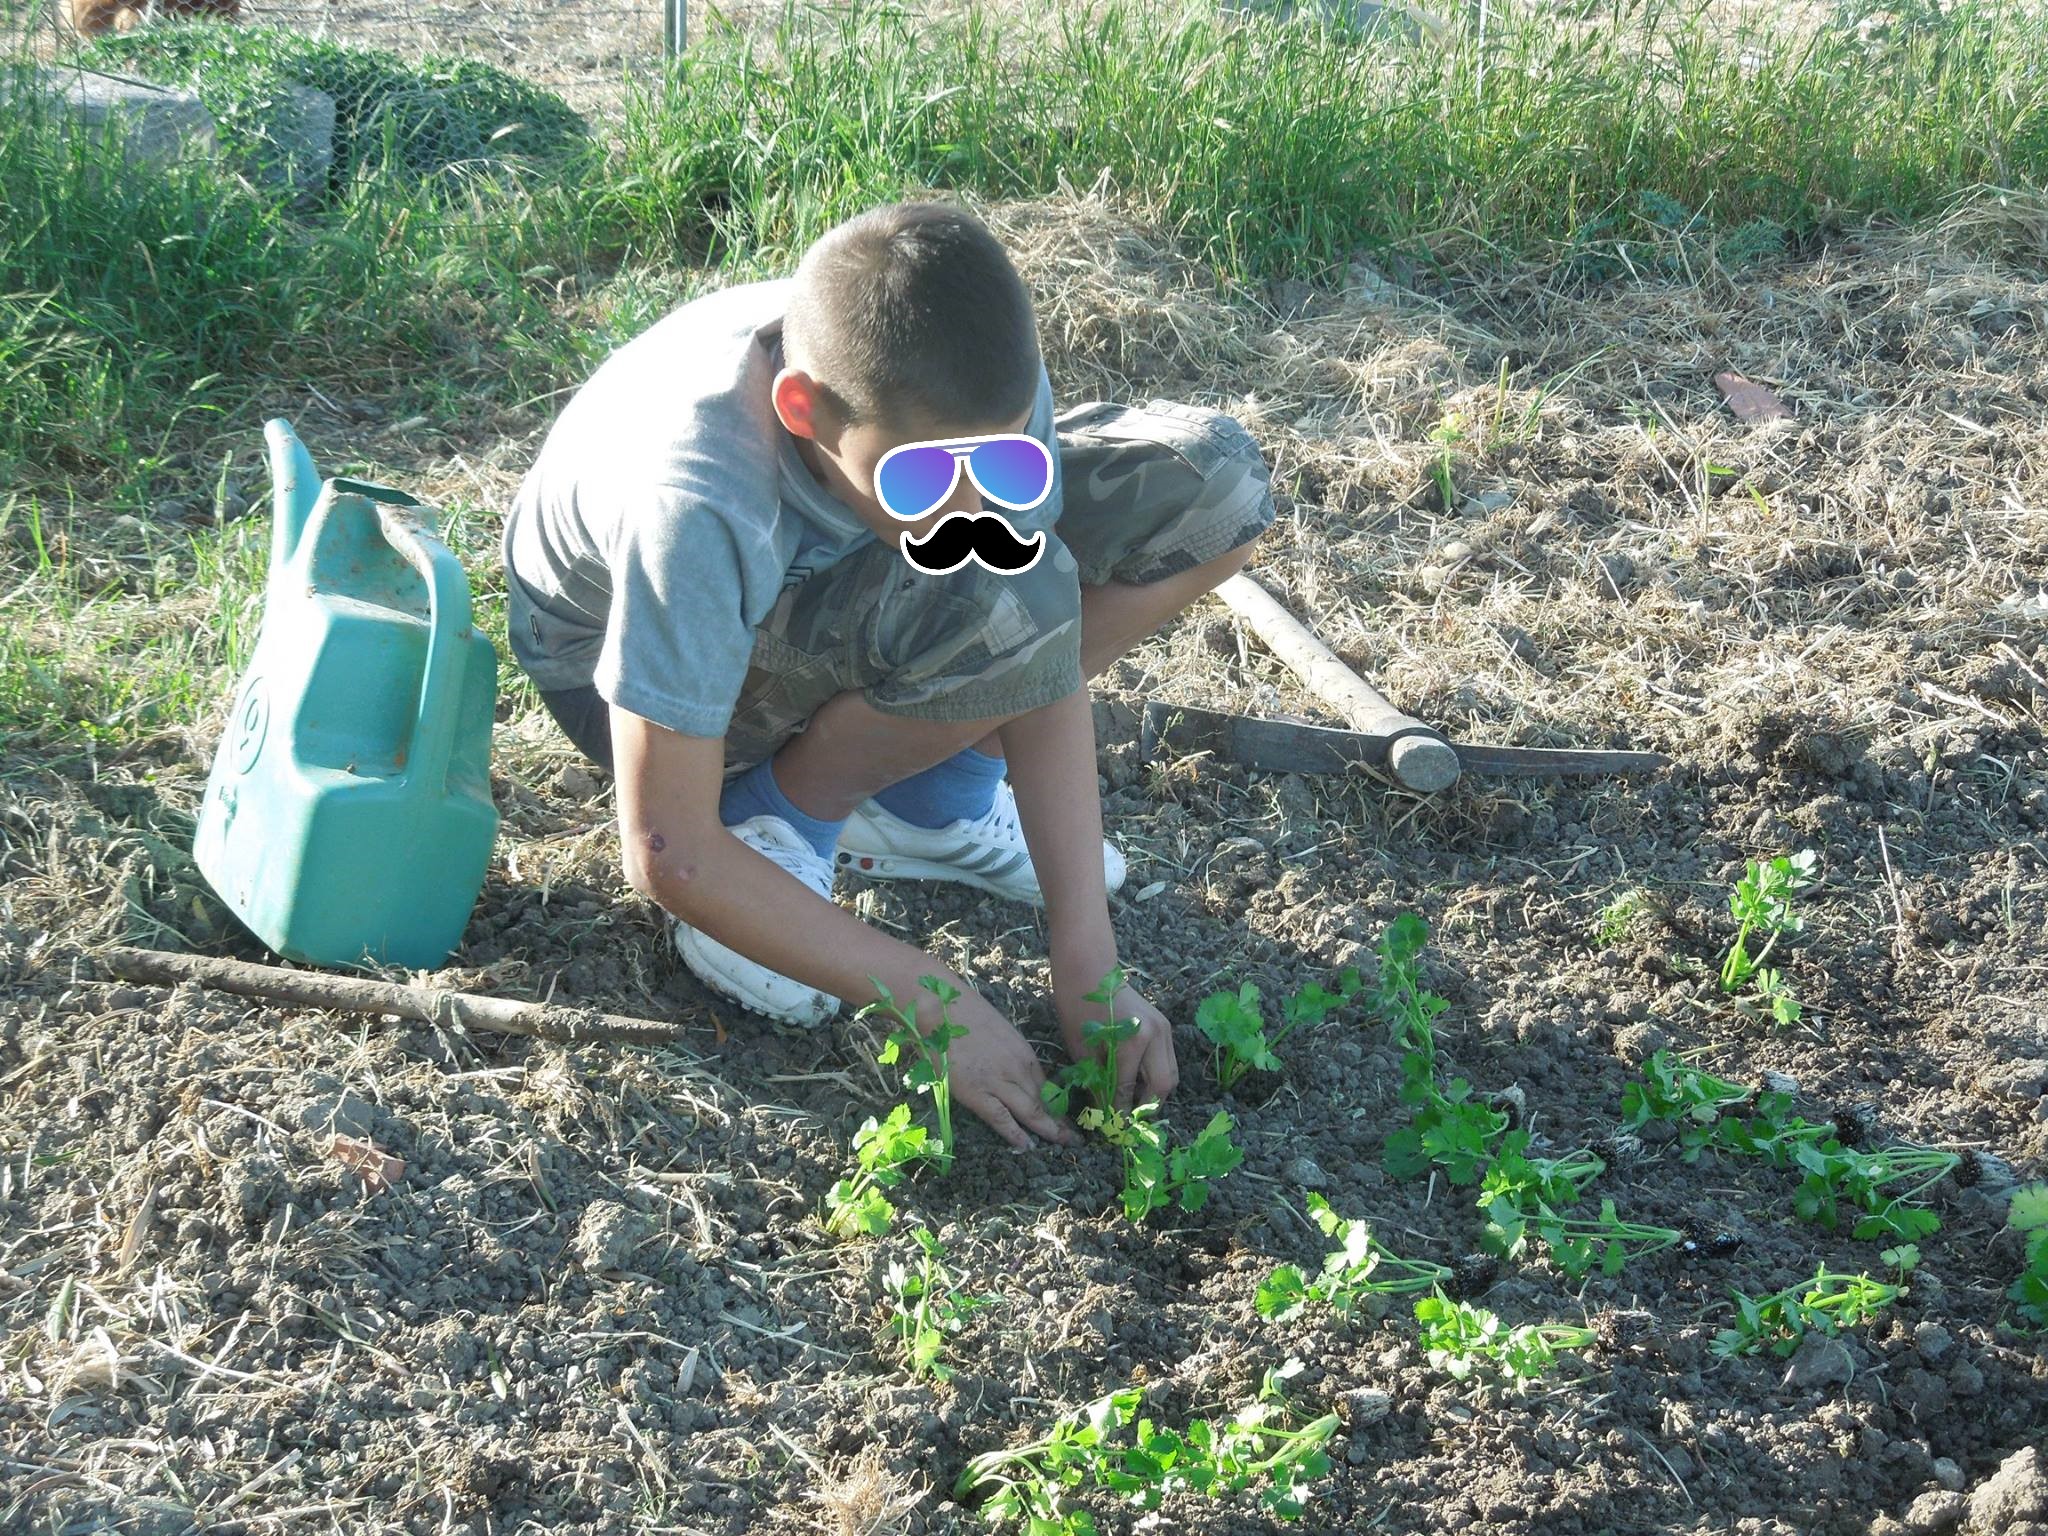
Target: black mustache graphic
column 983, row 537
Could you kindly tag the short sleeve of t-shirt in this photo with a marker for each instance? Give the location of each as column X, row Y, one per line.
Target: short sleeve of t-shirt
column 1047, row 512
column 677, row 642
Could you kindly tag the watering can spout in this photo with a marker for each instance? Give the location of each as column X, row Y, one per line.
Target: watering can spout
column 295, row 488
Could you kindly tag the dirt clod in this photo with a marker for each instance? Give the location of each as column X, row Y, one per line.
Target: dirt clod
column 2013, row 1496
column 607, row 1235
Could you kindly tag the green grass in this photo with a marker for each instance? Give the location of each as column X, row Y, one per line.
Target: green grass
column 148, row 317
column 1282, row 148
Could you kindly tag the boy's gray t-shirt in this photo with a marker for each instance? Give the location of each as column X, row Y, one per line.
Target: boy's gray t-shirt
column 669, row 509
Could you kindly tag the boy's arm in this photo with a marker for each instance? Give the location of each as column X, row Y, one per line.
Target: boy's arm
column 676, row 852
column 1051, row 753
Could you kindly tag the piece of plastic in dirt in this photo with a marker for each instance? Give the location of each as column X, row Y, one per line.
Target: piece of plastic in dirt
column 1749, row 402
column 379, row 1169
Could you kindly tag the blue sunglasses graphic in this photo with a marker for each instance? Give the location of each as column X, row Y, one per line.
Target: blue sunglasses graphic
column 1010, row 468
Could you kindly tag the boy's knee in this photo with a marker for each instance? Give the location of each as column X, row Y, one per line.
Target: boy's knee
column 1223, row 504
column 976, row 644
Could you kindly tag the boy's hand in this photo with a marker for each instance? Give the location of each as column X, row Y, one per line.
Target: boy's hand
column 997, row 1076
column 1144, row 1062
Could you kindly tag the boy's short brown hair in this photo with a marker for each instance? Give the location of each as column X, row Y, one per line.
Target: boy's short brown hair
column 911, row 316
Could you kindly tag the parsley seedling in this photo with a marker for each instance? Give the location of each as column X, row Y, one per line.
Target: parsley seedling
column 1671, row 1089
column 884, row 1151
column 1235, row 1025
column 1095, row 1075
column 1460, row 1338
column 1882, row 1185
column 2028, row 1215
column 1827, row 1302
column 925, row 1307
column 1763, row 904
column 1157, row 1173
column 1106, row 1446
column 1360, row 1268
column 1450, row 1129
column 1576, row 1244
column 925, row 1054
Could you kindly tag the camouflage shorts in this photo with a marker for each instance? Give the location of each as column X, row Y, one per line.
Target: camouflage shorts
column 1148, row 492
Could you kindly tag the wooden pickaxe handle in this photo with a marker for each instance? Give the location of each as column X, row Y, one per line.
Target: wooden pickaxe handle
column 1417, row 755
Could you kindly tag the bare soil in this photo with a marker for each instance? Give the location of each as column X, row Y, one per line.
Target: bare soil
column 599, row 1299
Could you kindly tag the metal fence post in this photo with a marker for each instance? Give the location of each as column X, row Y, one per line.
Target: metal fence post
column 675, row 17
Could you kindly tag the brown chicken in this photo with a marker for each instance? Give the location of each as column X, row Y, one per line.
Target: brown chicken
column 93, row 16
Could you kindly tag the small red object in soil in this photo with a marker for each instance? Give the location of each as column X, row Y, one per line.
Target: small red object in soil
column 379, row 1169
column 1749, row 402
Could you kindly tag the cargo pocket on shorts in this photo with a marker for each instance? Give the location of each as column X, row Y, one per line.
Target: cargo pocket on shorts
column 1201, row 437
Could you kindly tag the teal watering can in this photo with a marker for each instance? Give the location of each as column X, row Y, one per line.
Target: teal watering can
column 348, row 817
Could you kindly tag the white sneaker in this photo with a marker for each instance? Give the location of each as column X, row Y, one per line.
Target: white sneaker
column 725, row 970
column 988, row 852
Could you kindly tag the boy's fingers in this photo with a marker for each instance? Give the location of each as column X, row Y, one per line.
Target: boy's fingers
column 1128, row 1065
column 1162, row 1071
column 998, row 1118
column 1028, row 1108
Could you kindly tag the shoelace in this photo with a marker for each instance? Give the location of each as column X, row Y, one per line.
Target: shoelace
column 801, row 862
column 1001, row 820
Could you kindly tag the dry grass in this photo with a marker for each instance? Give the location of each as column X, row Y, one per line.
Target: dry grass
column 1627, row 561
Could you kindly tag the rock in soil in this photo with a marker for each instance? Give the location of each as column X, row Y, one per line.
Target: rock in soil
column 1936, row 1511
column 2013, row 1496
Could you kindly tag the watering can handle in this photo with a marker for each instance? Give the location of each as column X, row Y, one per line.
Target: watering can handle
column 295, row 487
column 448, row 619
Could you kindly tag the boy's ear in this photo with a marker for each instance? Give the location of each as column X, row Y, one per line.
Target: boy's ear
column 797, row 402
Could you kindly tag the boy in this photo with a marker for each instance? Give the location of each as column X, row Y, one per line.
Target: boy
column 715, row 601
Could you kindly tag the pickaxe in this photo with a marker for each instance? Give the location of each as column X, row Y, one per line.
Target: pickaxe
column 1418, row 756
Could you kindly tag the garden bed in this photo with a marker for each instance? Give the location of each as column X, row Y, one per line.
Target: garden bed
column 599, row 1296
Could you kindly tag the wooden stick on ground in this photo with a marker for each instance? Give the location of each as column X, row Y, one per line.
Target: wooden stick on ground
column 357, row 994
column 1422, row 761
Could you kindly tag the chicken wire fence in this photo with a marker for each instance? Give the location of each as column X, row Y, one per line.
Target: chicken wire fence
column 582, row 50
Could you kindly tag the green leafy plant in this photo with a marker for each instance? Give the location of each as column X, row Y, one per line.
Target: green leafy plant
column 1094, row 1076
column 1871, row 1182
column 1883, row 1184
column 1526, row 1199
column 1231, row 1022
column 1358, row 1268
column 884, row 1152
column 1672, row 1089
column 1763, row 905
column 1711, row 1113
column 925, row 1307
column 2028, row 1215
column 1157, row 1173
column 1555, row 1181
column 1461, row 1338
column 1450, row 1129
column 1776, row 995
column 1827, row 1302
column 1576, row 1244
column 1234, row 1024
column 925, row 1055
column 1108, row 1446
